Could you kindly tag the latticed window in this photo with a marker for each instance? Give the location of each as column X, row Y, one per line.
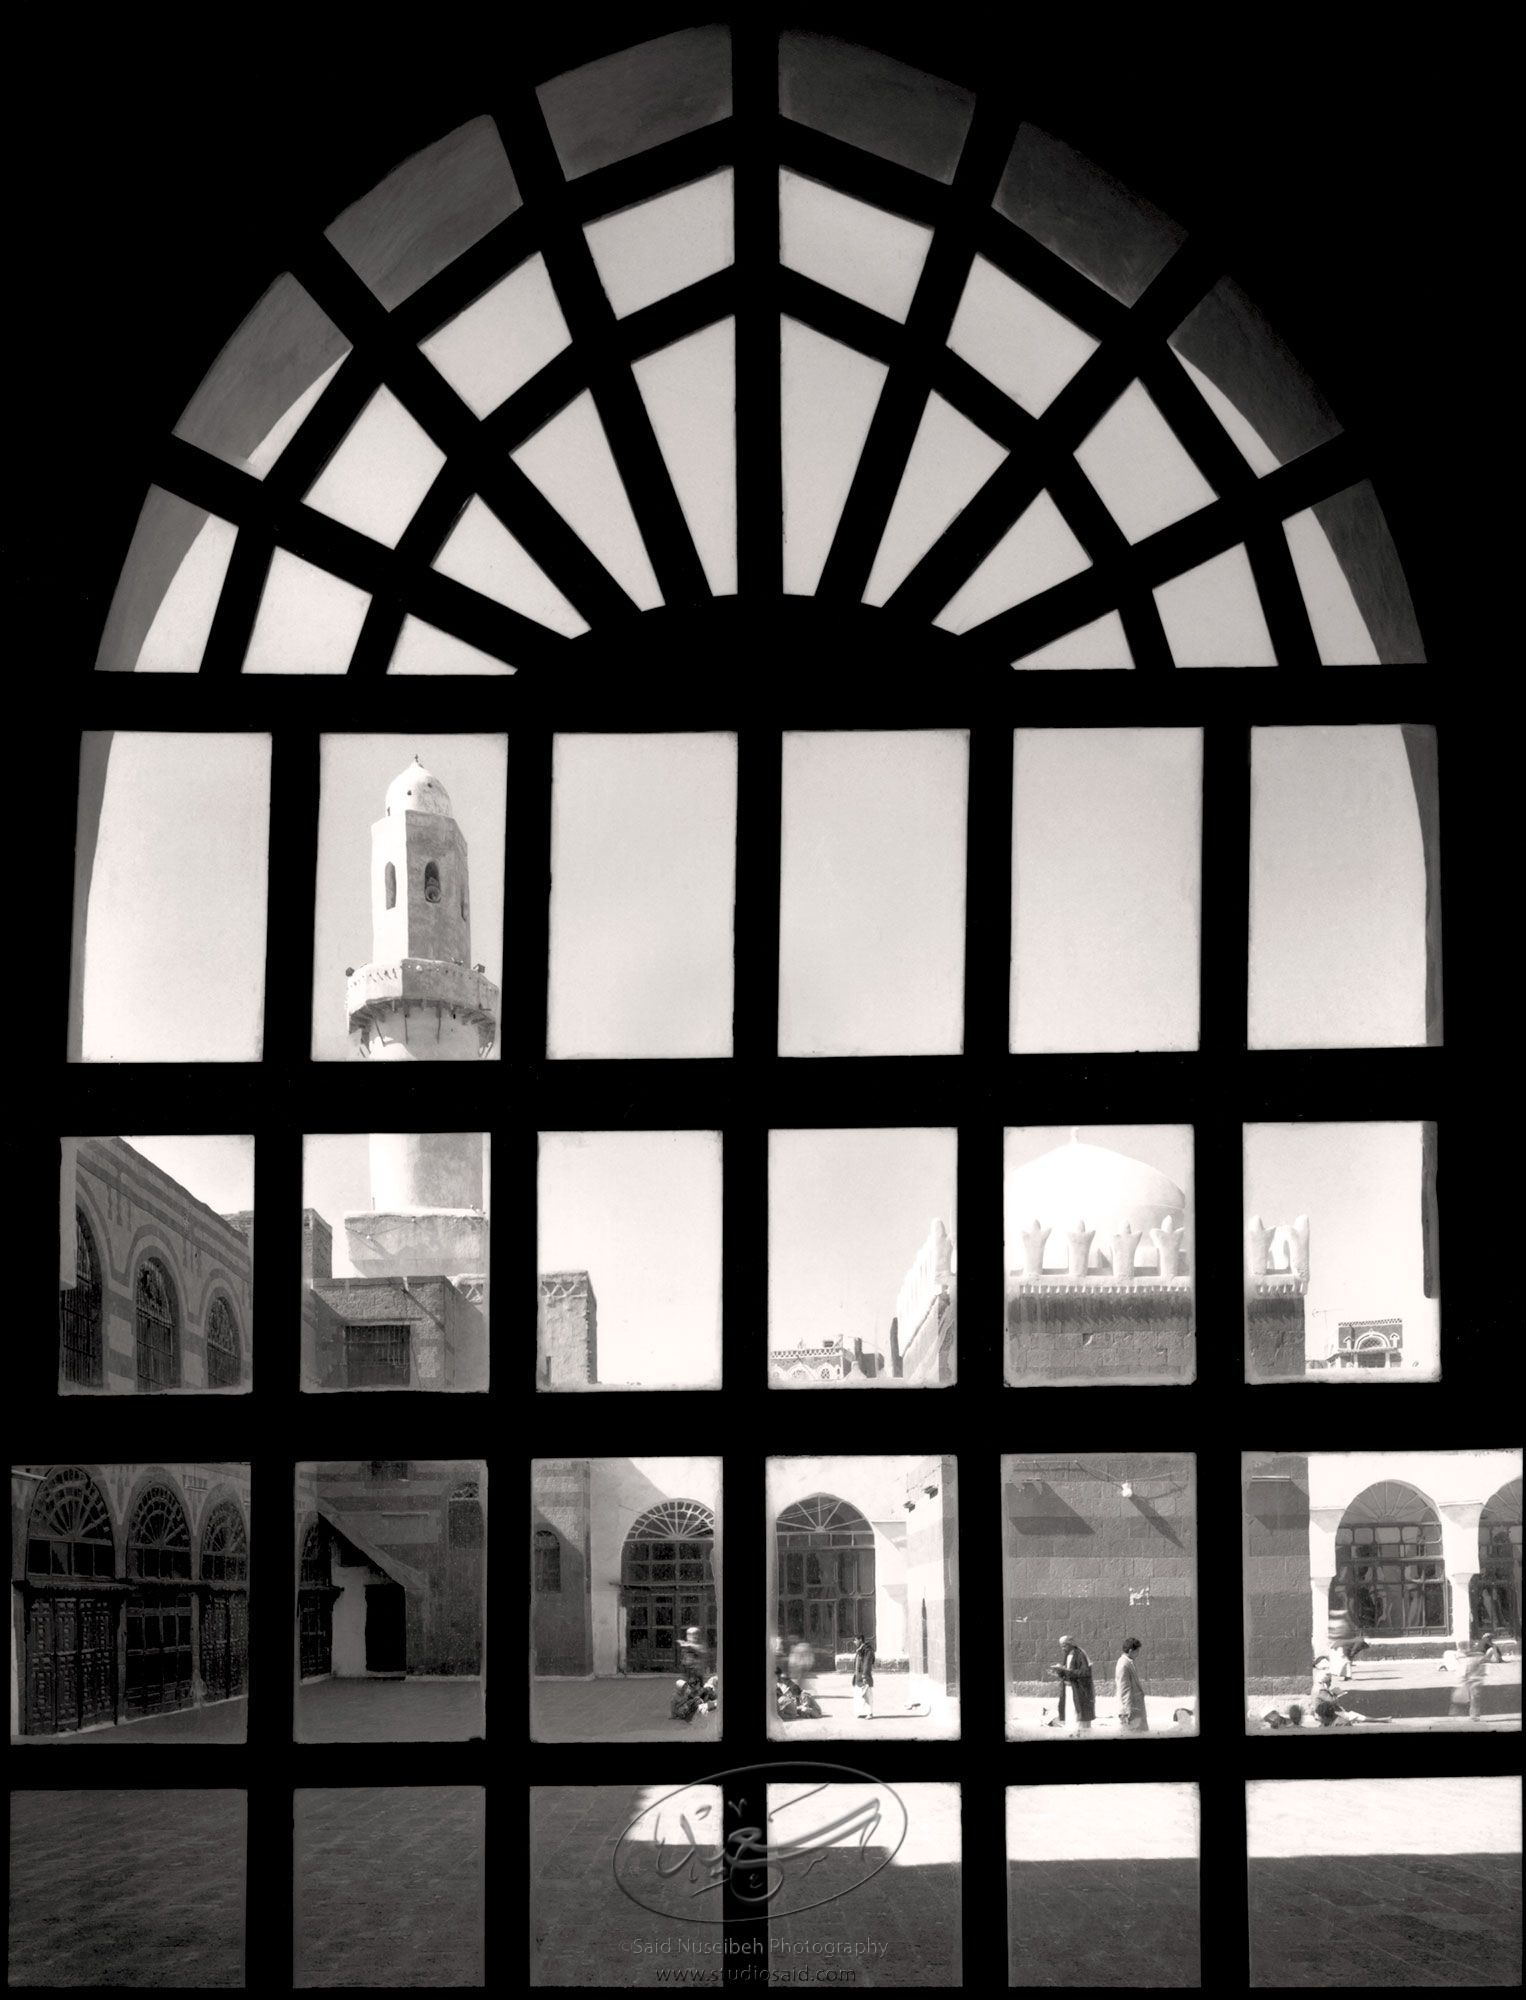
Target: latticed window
column 465, row 1518
column 158, row 1332
column 670, row 1545
column 826, row 1573
column 548, row 1560
column 69, row 1531
column 225, row 1546
column 222, row 1346
column 376, row 1356
column 1390, row 1571
column 805, row 1524
column 315, row 1557
column 158, row 1537
column 79, row 1311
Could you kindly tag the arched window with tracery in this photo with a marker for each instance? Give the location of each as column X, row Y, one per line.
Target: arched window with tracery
column 158, row 1537
column 1390, row 1569
column 826, row 1559
column 158, row 1328
column 225, row 1546
column 79, row 1312
column 69, row 1528
column 223, row 1370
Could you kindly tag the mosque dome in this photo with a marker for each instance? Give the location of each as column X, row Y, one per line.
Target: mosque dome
column 417, row 790
column 1093, row 1185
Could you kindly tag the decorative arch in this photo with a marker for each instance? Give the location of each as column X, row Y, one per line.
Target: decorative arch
column 1496, row 1605
column 225, row 1601
column 825, row 1513
column 156, row 1326
column 69, row 1532
column 225, row 1545
column 1390, row 1567
column 826, row 1575
column 224, row 1348
column 667, row 1583
column 683, row 1518
column 80, row 1355
column 158, row 1535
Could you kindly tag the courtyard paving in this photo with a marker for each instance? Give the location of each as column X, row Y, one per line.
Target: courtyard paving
column 1411, row 1694
column 139, row 1888
column 894, row 1694
column 1032, row 1715
column 1125, row 1922
column 605, row 1711
column 411, row 1711
column 217, row 1722
column 1386, row 1920
column 389, row 1886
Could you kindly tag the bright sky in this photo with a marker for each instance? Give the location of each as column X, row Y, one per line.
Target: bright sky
column 336, row 1180
column 1167, row 1148
column 871, row 893
column 643, row 884
column 640, row 1212
column 1337, row 890
column 1106, row 889
column 1303, row 1816
column 355, row 775
column 179, row 881
column 1102, row 1822
column 1359, row 1185
column 217, row 1168
column 847, row 1213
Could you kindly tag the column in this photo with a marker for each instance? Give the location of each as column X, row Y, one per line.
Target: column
column 1459, row 1549
column 1323, row 1522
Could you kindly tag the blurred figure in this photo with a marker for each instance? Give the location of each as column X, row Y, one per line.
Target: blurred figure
column 863, row 1676
column 1472, row 1670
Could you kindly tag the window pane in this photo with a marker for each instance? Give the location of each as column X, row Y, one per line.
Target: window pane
column 167, row 593
column 1016, row 341
column 1103, row 643
column 829, row 394
column 571, row 462
column 366, row 823
column 503, row 338
column 1106, row 885
column 1213, row 615
column 637, row 1216
column 427, row 211
column 874, row 1294
column 950, row 461
column 481, row 553
column 657, row 247
column 1037, row 552
column 1352, row 1213
column 850, row 246
column 308, row 621
column 424, row 649
column 171, row 871
column 1340, row 630
column 1143, row 476
column 690, row 393
column 872, row 885
column 380, row 473
column 1342, row 889
column 643, row 869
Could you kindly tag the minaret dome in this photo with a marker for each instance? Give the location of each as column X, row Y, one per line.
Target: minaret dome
column 417, row 790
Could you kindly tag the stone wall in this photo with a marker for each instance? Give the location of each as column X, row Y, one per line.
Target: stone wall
column 410, row 1519
column 562, row 1628
column 1088, row 1334
column 447, row 1334
column 1074, row 1547
column 567, row 1330
column 1274, row 1333
column 1275, row 1552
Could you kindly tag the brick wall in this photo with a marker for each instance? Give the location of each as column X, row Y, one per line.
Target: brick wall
column 1279, row 1617
column 1274, row 1330
column 561, row 1621
column 1074, row 1547
column 1068, row 1334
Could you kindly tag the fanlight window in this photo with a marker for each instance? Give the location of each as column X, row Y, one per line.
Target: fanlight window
column 69, row 1531
column 1081, row 476
column 79, row 1311
column 225, row 1546
column 222, row 1346
column 824, row 1515
column 158, row 1537
column 673, row 1518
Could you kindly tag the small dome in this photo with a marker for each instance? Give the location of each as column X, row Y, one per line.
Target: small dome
column 1091, row 1181
column 417, row 790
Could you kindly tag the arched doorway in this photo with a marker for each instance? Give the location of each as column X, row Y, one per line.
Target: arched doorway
column 225, row 1602
column 1390, row 1576
column 826, row 1574
column 315, row 1605
column 1496, row 1593
column 79, row 1312
column 160, row 1640
column 667, row 1582
column 71, row 1605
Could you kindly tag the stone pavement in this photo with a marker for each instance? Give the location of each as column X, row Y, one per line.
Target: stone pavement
column 893, row 1694
column 604, row 1711
column 1412, row 1694
column 1386, row 1920
column 1125, row 1922
column 216, row 1722
column 1030, row 1715
column 139, row 1888
column 388, row 1886
column 411, row 1711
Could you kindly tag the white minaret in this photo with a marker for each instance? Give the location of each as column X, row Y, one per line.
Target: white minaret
column 426, row 1214
column 420, row 999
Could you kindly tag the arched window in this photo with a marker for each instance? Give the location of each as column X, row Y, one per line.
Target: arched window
column 1497, row 1586
column 222, row 1346
column 158, row 1328
column 431, row 882
column 69, row 1528
column 225, row 1545
column 391, row 882
column 667, row 1583
column 1390, row 1573
column 315, row 1557
column 79, row 1311
column 548, row 1561
column 158, row 1538
column 465, row 1517
column 826, row 1559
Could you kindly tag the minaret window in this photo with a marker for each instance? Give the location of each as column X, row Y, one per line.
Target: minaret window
column 431, row 882
column 391, row 880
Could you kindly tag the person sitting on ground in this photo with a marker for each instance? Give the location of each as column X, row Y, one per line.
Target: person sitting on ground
column 1488, row 1647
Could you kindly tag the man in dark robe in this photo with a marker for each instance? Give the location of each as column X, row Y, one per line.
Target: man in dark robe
column 863, row 1676
column 1075, row 1673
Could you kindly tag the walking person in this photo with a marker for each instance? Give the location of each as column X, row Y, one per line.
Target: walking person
column 1075, row 1673
column 1472, row 1671
column 1130, row 1690
column 863, row 1677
